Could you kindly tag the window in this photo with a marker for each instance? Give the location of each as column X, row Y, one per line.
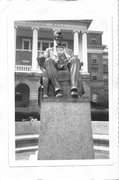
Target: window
column 18, row 96
column 93, row 41
column 26, row 44
column 94, row 77
column 94, row 73
column 22, row 93
column 105, row 62
column 94, row 59
column 43, row 45
column 105, row 66
column 105, row 76
column 39, row 45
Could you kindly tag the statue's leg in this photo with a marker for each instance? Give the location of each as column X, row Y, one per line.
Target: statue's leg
column 74, row 66
column 45, row 83
column 53, row 74
column 81, row 88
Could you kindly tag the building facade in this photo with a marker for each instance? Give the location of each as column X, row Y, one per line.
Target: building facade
column 33, row 37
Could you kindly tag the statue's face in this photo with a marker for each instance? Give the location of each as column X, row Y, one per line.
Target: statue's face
column 58, row 38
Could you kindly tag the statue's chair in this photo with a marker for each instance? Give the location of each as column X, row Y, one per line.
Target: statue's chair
column 64, row 79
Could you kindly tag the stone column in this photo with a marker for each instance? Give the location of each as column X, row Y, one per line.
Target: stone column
column 34, row 49
column 15, row 35
column 76, row 43
column 84, row 52
column 80, row 47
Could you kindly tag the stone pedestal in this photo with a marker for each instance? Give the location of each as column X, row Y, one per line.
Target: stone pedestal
column 65, row 131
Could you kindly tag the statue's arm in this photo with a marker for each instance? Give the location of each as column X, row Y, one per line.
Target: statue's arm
column 72, row 53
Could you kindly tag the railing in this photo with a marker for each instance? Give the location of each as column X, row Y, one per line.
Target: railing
column 24, row 60
column 26, row 69
column 23, row 68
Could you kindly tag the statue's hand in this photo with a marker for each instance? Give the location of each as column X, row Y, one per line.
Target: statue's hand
column 42, row 56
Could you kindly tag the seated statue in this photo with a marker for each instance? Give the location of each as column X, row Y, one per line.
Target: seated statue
column 60, row 58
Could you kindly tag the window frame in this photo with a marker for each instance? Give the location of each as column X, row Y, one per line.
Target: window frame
column 94, row 57
column 28, row 40
column 94, row 78
column 94, row 61
column 93, row 40
column 105, row 62
column 105, row 75
column 49, row 44
column 94, row 73
column 18, row 97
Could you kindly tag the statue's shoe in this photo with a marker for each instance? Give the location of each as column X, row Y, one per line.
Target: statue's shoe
column 74, row 93
column 59, row 93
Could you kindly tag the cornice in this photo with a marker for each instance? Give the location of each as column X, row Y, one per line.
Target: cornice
column 85, row 31
column 51, row 25
column 35, row 27
column 94, row 32
column 76, row 30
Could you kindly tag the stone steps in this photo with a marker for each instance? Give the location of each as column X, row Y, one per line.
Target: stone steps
column 30, row 142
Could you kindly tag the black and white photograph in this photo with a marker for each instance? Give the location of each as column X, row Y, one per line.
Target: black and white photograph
column 61, row 109
column 59, row 91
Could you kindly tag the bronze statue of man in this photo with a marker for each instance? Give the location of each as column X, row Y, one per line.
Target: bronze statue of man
column 61, row 58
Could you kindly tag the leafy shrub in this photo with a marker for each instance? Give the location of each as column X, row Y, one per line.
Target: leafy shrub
column 22, row 116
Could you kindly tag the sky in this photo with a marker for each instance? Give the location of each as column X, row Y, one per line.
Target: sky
column 80, row 9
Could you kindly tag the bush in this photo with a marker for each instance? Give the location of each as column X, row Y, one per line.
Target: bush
column 21, row 116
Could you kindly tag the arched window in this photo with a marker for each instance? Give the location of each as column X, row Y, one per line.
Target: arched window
column 22, row 95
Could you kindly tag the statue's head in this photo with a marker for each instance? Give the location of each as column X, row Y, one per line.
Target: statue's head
column 58, row 37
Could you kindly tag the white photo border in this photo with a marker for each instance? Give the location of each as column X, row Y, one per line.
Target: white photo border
column 113, row 96
column 11, row 55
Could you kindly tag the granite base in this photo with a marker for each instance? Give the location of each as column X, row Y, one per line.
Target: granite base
column 65, row 131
